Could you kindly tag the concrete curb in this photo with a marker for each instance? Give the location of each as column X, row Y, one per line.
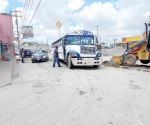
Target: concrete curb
column 7, row 74
column 12, row 69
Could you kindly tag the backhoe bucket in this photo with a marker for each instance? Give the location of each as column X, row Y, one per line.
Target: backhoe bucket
column 115, row 61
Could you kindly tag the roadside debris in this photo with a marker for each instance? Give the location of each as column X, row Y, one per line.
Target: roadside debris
column 82, row 92
column 144, row 68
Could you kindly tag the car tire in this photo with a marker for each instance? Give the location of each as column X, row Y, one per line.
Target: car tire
column 33, row 61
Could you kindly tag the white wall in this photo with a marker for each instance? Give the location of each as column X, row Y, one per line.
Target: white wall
column 113, row 52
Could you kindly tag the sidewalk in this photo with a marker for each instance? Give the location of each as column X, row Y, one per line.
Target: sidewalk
column 6, row 68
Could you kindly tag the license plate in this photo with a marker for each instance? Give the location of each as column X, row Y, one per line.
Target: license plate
column 87, row 60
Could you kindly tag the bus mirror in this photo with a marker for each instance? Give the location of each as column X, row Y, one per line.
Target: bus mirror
column 63, row 39
column 98, row 46
column 65, row 42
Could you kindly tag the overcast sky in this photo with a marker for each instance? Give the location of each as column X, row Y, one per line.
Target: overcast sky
column 117, row 18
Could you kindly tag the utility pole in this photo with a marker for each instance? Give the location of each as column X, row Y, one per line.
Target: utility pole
column 97, row 30
column 100, row 39
column 114, row 39
column 47, row 41
column 47, row 44
column 18, row 38
column 58, row 25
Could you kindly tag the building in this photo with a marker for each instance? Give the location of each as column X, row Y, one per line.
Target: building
column 6, row 35
column 131, row 38
column 128, row 39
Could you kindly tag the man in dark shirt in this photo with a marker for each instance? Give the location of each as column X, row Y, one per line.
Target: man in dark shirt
column 56, row 57
column 22, row 52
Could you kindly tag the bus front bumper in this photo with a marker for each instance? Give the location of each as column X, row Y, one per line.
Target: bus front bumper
column 86, row 61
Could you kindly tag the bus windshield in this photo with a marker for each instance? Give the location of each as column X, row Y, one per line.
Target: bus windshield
column 73, row 40
column 80, row 40
column 87, row 40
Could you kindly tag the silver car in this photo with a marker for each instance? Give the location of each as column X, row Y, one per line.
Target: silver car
column 40, row 56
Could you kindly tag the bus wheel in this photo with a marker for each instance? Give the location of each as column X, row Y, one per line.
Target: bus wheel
column 70, row 65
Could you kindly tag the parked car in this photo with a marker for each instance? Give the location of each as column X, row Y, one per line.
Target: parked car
column 28, row 53
column 40, row 55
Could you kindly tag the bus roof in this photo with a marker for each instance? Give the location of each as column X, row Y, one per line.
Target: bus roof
column 78, row 32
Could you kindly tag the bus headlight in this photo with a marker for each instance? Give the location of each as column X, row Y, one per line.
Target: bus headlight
column 98, row 54
column 73, row 54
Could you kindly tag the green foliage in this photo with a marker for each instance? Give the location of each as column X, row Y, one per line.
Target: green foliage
column 29, row 43
column 102, row 43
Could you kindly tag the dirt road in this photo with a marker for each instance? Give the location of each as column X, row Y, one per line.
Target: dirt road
column 43, row 95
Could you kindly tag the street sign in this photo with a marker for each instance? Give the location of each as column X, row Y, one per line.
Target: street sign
column 58, row 24
column 27, row 31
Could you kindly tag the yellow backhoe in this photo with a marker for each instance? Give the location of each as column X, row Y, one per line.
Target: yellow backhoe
column 137, row 50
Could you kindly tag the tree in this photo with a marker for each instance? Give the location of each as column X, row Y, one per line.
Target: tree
column 103, row 43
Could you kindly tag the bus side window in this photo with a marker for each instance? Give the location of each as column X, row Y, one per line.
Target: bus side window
column 82, row 42
column 68, row 42
column 59, row 43
column 64, row 43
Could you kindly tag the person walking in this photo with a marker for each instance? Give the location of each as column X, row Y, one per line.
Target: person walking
column 22, row 53
column 56, row 57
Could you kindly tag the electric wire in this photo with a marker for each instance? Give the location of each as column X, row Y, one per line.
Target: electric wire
column 35, row 12
column 26, row 9
column 30, row 9
column 23, row 11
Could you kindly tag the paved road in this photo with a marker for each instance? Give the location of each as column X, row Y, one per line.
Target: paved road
column 43, row 95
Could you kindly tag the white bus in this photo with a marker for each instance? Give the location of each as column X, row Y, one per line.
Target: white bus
column 77, row 49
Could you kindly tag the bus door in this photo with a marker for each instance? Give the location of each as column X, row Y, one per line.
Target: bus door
column 64, row 49
column 60, row 50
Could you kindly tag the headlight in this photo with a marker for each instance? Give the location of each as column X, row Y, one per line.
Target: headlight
column 74, row 55
column 98, row 54
column 44, row 56
column 33, row 56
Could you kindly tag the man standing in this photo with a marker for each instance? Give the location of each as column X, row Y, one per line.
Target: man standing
column 22, row 52
column 56, row 57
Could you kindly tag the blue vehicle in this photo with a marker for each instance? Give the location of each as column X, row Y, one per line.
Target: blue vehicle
column 28, row 53
column 78, row 49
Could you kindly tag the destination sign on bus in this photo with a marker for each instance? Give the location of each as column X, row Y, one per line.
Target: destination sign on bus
column 81, row 32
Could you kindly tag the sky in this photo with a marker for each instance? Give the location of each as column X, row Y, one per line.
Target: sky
column 117, row 18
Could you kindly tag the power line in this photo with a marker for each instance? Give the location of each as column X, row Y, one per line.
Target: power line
column 25, row 19
column 23, row 11
column 29, row 9
column 35, row 12
column 26, row 9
